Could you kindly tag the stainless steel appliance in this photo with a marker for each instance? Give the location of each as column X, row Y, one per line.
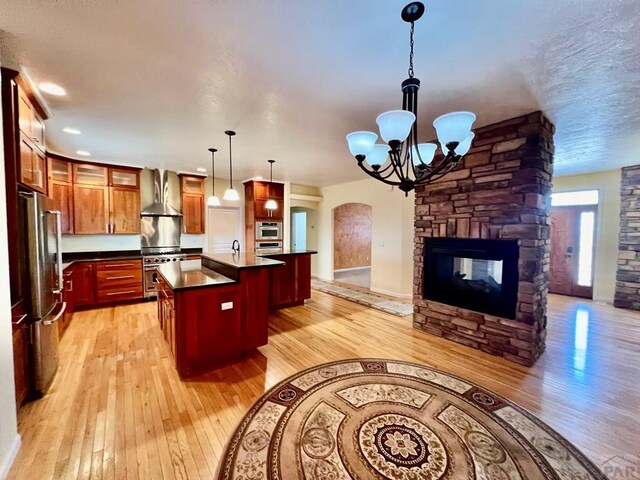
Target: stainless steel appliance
column 268, row 230
column 44, row 263
column 264, row 246
column 151, row 259
column 161, row 226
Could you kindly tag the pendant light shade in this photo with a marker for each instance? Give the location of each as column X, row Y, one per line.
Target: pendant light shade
column 425, row 152
column 230, row 195
column 271, row 203
column 213, row 201
column 378, row 155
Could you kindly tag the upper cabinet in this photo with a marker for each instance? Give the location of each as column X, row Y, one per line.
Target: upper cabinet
column 192, row 188
column 32, row 165
column 95, row 199
column 257, row 193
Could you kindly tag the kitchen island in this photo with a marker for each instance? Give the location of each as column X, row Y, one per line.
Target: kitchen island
column 215, row 309
column 209, row 318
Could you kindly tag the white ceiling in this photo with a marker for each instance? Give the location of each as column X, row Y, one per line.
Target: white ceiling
column 155, row 83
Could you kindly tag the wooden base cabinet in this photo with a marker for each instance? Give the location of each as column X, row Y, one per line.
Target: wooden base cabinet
column 290, row 284
column 84, row 284
column 207, row 327
column 68, row 297
column 20, row 352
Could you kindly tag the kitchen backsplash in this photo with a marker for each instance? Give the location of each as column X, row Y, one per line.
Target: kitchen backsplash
column 94, row 243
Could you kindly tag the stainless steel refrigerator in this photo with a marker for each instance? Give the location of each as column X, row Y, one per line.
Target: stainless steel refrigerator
column 44, row 271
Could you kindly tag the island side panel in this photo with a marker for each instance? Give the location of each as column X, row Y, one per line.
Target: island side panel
column 254, row 283
column 208, row 335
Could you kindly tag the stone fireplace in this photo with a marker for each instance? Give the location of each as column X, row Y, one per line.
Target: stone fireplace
column 481, row 255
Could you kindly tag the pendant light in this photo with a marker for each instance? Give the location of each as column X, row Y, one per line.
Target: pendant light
column 213, row 201
column 271, row 203
column 231, row 194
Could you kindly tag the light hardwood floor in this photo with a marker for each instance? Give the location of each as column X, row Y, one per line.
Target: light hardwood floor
column 117, row 408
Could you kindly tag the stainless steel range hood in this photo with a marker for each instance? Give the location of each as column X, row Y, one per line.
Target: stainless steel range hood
column 160, row 206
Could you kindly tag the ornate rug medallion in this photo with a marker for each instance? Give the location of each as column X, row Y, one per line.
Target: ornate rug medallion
column 372, row 418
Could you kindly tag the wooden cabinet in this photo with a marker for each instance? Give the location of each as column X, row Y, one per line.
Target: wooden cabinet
column 68, row 296
column 290, row 284
column 124, row 204
column 90, row 209
column 61, row 191
column 104, row 200
column 89, row 174
column 107, row 281
column 118, row 280
column 192, row 188
column 256, row 195
column 84, row 283
column 20, row 354
column 32, row 166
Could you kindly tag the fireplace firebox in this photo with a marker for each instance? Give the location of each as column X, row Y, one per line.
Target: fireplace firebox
column 475, row 274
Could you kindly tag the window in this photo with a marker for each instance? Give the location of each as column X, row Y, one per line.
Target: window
column 582, row 197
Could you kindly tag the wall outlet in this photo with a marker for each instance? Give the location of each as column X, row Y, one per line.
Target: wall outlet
column 226, row 306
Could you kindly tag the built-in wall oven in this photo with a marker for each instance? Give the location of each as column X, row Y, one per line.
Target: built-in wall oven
column 268, row 230
column 265, row 246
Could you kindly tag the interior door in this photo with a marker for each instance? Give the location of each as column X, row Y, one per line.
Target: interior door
column 223, row 227
column 572, row 248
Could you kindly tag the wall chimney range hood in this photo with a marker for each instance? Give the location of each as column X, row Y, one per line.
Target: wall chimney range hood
column 160, row 206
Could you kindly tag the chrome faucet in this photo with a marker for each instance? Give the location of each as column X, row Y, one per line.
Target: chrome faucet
column 235, row 246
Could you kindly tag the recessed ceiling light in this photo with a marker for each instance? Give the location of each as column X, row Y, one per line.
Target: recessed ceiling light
column 84, row 153
column 258, row 178
column 200, row 169
column 52, row 89
column 72, row 131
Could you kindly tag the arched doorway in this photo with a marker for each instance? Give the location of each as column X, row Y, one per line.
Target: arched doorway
column 352, row 227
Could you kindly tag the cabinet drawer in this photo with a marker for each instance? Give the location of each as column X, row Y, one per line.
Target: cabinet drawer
column 121, row 278
column 119, row 265
column 119, row 294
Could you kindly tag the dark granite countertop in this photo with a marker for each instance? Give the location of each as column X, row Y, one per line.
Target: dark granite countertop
column 191, row 274
column 284, row 251
column 68, row 258
column 238, row 261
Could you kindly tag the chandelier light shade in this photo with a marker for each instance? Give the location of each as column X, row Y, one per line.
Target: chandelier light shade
column 271, row 203
column 361, row 143
column 404, row 162
column 395, row 125
column 424, row 153
column 231, row 195
column 453, row 127
column 213, row 201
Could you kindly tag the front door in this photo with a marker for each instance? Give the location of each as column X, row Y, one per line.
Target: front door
column 572, row 246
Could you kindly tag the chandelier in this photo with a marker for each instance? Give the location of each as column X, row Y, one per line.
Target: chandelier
column 401, row 161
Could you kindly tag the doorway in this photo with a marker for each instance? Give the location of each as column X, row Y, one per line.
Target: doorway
column 352, row 229
column 224, row 225
column 299, row 230
column 573, row 228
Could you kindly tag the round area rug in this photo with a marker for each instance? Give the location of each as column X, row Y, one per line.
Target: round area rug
column 372, row 418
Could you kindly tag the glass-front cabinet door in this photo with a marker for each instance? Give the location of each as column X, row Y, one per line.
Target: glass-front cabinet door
column 123, row 177
column 60, row 170
column 87, row 174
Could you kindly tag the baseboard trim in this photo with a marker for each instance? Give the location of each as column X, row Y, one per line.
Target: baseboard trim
column 11, row 455
column 352, row 269
column 391, row 294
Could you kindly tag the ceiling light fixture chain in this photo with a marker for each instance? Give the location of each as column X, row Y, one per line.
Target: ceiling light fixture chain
column 401, row 161
column 411, row 74
column 231, row 194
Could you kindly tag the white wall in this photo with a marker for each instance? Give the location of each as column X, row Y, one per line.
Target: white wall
column 9, row 438
column 607, row 228
column 392, row 233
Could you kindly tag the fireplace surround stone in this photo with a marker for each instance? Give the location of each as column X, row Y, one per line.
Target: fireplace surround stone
column 500, row 192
